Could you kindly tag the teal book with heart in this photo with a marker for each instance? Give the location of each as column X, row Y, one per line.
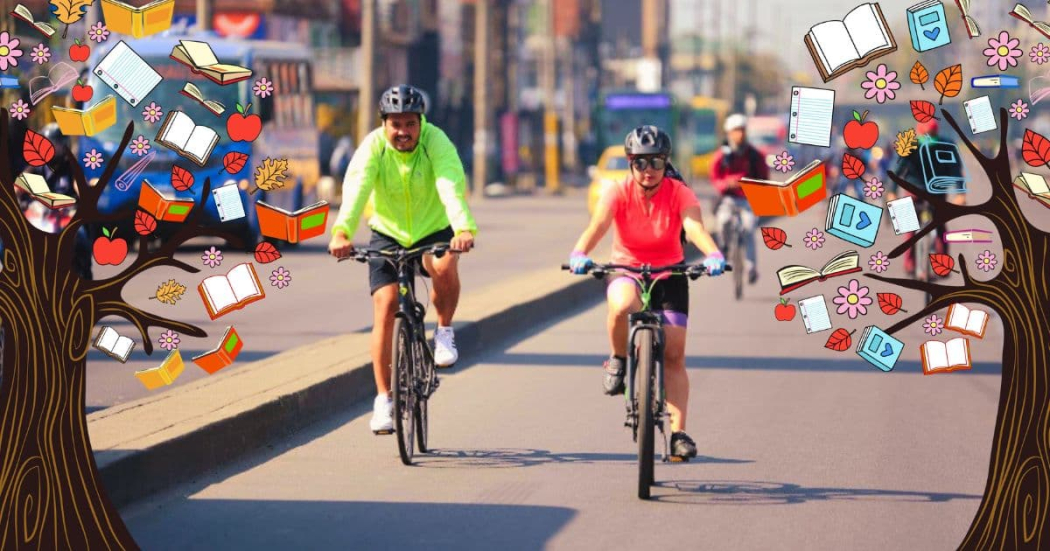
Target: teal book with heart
column 879, row 348
column 853, row 220
column 927, row 26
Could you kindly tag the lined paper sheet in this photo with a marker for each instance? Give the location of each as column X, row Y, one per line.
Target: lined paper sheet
column 979, row 111
column 228, row 202
column 903, row 216
column 811, row 110
column 815, row 314
column 127, row 74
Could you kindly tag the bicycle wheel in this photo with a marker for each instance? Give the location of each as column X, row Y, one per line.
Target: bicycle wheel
column 736, row 258
column 646, row 425
column 421, row 426
column 404, row 390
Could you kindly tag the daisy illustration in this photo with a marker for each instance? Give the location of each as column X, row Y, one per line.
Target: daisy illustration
column 986, row 261
column 881, row 84
column 853, row 300
column 9, row 52
column 1040, row 54
column 212, row 257
column 140, row 145
column 19, row 110
column 169, row 340
column 152, row 112
column 879, row 262
column 873, row 189
column 280, row 278
column 40, row 54
column 1019, row 109
column 933, row 325
column 814, row 239
column 1003, row 51
column 263, row 88
column 93, row 159
column 98, row 32
column 784, row 162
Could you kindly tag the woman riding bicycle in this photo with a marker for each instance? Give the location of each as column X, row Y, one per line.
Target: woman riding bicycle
column 648, row 211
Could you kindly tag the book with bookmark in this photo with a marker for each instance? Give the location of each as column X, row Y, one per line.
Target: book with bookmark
column 793, row 277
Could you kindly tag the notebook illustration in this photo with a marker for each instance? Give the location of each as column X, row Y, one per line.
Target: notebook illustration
column 928, row 26
column 810, row 118
column 902, row 215
column 814, row 314
column 127, row 74
column 60, row 75
column 228, row 201
column 979, row 112
column 853, row 220
column 879, row 348
column 942, row 167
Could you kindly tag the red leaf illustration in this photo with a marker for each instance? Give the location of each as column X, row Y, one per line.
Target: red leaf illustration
column 234, row 161
column 37, row 149
column 839, row 340
column 852, row 167
column 923, row 111
column 942, row 264
column 266, row 253
column 1036, row 149
column 181, row 179
column 890, row 303
column 775, row 238
column 145, row 223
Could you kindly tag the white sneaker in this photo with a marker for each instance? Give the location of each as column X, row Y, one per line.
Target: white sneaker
column 445, row 354
column 382, row 415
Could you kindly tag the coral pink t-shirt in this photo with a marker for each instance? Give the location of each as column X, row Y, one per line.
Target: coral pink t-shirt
column 647, row 231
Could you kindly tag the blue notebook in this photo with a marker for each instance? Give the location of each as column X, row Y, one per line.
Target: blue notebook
column 942, row 167
column 7, row 81
column 995, row 81
column 879, row 348
column 927, row 26
column 853, row 220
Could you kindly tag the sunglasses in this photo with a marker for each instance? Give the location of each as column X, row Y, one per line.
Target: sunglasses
column 642, row 163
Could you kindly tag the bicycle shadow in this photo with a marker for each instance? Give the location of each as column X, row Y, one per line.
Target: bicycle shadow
column 735, row 492
column 513, row 458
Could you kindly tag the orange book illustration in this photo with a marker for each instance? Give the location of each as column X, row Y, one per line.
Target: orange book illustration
column 943, row 357
column 161, row 207
column 222, row 355
column 802, row 190
column 292, row 227
column 233, row 291
column 164, row 374
column 968, row 321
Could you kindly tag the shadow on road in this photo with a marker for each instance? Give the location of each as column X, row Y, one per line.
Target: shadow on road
column 731, row 492
column 504, row 458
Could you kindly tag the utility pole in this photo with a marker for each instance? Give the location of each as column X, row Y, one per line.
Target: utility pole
column 204, row 15
column 569, row 83
column 481, row 96
column 513, row 29
column 550, row 117
column 650, row 68
column 366, row 90
column 733, row 58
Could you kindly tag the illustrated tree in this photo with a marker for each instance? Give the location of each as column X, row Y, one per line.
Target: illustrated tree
column 51, row 495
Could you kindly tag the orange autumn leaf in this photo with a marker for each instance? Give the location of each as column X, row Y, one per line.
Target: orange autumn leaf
column 890, row 303
column 948, row 82
column 923, row 111
column 852, row 167
column 839, row 340
column 919, row 74
column 942, row 264
column 145, row 223
column 1035, row 149
column 774, row 238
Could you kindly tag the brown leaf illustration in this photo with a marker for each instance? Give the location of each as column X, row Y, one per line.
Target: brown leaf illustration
column 169, row 292
column 270, row 175
column 919, row 74
column 906, row 143
column 948, row 82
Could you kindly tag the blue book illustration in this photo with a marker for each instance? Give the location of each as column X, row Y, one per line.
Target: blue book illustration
column 853, row 220
column 927, row 26
column 879, row 348
column 942, row 167
column 995, row 81
column 7, row 81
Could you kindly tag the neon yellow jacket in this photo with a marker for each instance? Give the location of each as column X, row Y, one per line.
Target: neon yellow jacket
column 414, row 194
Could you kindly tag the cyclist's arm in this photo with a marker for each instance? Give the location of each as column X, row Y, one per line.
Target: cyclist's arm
column 451, row 181
column 601, row 220
column 358, row 183
column 693, row 224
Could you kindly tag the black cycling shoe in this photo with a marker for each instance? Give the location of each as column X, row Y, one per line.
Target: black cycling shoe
column 682, row 447
column 614, row 372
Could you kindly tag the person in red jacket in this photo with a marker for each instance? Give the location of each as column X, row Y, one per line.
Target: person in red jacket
column 735, row 160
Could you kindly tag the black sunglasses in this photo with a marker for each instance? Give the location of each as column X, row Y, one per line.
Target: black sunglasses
column 642, row 163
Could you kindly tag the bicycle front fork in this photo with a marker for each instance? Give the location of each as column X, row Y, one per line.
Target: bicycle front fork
column 630, row 380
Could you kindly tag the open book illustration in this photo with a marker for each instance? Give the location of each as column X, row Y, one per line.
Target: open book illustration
column 200, row 58
column 292, row 227
column 127, row 74
column 1021, row 12
column 37, row 188
column 971, row 25
column 194, row 93
column 222, row 355
column 840, row 46
column 180, row 134
column 164, row 209
column 24, row 14
column 1035, row 186
column 1039, row 88
column 966, row 321
column 164, row 374
column 114, row 344
column 943, row 357
column 792, row 277
column 86, row 122
column 233, row 291
column 60, row 75
column 138, row 22
column 802, row 190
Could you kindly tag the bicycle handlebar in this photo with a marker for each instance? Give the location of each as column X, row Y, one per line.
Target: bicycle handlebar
column 363, row 255
column 692, row 270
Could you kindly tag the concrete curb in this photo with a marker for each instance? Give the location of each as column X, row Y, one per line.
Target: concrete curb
column 149, row 445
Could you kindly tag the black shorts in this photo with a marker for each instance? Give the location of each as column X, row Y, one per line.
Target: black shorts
column 382, row 272
column 669, row 295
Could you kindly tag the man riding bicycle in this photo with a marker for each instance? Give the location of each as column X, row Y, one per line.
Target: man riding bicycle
column 415, row 176
column 648, row 211
column 737, row 159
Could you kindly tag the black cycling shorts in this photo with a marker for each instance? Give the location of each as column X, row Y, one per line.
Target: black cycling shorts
column 669, row 294
column 381, row 272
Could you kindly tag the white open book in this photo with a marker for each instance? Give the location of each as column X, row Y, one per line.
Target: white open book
column 839, row 46
column 945, row 356
column 233, row 291
column 113, row 344
column 182, row 135
column 966, row 321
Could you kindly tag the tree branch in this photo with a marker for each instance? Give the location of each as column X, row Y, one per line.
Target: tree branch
column 939, row 201
column 144, row 320
column 87, row 205
column 7, row 193
column 933, row 289
column 142, row 263
column 969, row 145
column 1004, row 123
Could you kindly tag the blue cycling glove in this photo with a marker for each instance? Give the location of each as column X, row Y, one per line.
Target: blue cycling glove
column 715, row 263
column 579, row 262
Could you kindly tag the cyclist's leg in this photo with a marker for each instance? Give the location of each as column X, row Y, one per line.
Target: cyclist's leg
column 748, row 221
column 723, row 212
column 445, row 273
column 672, row 297
column 382, row 283
column 623, row 299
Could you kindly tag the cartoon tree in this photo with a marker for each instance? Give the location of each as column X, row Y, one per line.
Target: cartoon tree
column 51, row 495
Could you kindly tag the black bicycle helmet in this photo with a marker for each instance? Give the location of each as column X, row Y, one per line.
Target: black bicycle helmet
column 402, row 99
column 647, row 140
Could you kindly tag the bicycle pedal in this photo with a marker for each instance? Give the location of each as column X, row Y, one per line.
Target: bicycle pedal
column 677, row 459
column 383, row 432
column 449, row 366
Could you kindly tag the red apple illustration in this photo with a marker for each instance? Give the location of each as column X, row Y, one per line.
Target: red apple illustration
column 78, row 51
column 859, row 134
column 107, row 250
column 784, row 311
column 243, row 127
column 82, row 92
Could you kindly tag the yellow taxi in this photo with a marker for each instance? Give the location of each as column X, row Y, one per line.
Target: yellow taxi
column 612, row 167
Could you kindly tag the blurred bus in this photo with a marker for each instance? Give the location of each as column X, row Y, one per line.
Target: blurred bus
column 289, row 129
column 619, row 112
column 705, row 118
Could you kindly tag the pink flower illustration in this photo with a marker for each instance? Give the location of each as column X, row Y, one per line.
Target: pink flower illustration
column 9, row 52
column 212, row 257
column 881, row 84
column 784, row 162
column 152, row 112
column 280, row 278
column 879, row 262
column 1004, row 51
column 40, row 54
column 852, row 300
column 140, row 145
column 263, row 87
column 98, row 32
column 814, row 239
column 1019, row 109
column 986, row 261
column 20, row 110
column 873, row 189
column 169, row 340
column 933, row 325
column 93, row 159
column 1040, row 54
